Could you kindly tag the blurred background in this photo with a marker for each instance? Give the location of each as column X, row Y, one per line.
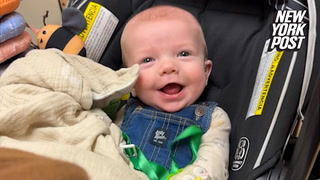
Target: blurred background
column 34, row 10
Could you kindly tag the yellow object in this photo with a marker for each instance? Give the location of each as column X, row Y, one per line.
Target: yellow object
column 90, row 15
column 268, row 81
column 125, row 97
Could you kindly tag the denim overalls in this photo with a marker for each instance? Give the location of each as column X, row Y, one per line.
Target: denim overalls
column 153, row 130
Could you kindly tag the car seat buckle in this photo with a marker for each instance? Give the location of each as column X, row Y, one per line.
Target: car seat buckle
column 129, row 150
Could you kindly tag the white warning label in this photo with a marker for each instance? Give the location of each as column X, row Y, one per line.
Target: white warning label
column 267, row 69
column 101, row 24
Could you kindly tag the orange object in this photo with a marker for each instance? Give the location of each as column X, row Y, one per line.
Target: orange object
column 64, row 37
column 8, row 6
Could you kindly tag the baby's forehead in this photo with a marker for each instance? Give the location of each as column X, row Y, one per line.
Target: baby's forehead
column 160, row 14
column 163, row 12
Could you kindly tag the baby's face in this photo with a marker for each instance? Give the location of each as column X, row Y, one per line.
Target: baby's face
column 173, row 72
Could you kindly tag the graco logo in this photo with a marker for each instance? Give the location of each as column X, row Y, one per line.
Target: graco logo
column 241, row 154
column 288, row 30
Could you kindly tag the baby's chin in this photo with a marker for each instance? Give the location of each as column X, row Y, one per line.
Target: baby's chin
column 172, row 107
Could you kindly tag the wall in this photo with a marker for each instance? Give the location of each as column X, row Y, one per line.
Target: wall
column 34, row 10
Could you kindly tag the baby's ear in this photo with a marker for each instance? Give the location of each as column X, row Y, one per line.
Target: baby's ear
column 207, row 68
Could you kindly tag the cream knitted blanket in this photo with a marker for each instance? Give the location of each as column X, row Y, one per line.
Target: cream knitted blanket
column 50, row 106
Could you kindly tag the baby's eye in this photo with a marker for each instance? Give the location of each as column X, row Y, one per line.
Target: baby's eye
column 147, row 60
column 184, row 53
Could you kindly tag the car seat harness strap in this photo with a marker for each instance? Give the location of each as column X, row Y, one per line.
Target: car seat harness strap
column 155, row 171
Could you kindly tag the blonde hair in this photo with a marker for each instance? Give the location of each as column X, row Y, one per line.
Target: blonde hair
column 163, row 12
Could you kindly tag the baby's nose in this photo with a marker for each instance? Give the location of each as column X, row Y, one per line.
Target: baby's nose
column 168, row 67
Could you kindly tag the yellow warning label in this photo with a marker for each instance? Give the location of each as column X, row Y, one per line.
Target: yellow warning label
column 90, row 14
column 267, row 82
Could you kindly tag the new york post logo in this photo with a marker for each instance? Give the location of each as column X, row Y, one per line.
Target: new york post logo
column 288, row 30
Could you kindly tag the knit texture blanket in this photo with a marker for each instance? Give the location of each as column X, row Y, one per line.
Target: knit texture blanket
column 50, row 105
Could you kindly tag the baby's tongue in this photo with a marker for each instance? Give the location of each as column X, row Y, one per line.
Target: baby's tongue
column 171, row 88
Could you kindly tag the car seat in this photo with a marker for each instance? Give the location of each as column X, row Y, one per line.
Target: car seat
column 268, row 94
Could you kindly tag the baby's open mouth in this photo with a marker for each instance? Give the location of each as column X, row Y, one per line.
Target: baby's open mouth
column 172, row 88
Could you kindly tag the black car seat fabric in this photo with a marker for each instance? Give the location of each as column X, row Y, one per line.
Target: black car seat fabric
column 308, row 145
column 261, row 90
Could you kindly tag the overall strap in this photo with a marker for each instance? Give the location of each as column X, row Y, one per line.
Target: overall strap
column 155, row 171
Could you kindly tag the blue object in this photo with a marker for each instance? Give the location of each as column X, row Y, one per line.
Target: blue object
column 11, row 25
column 153, row 130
